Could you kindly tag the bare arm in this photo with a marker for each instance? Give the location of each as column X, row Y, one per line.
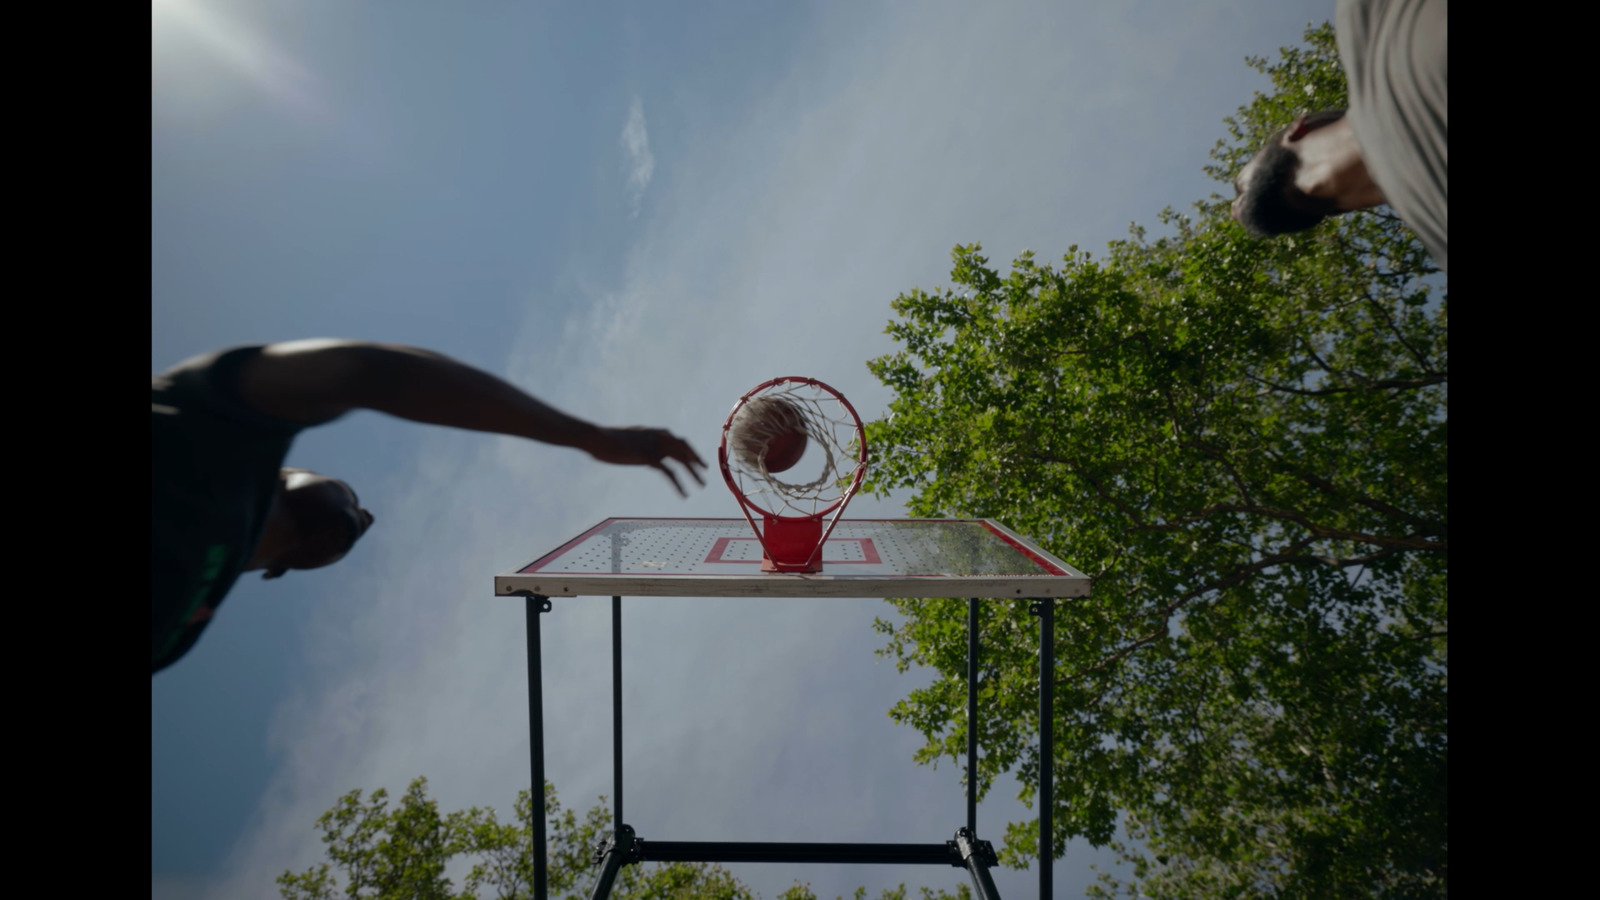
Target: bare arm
column 317, row 381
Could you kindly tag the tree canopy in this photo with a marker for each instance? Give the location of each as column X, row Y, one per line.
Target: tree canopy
column 386, row 852
column 1244, row 443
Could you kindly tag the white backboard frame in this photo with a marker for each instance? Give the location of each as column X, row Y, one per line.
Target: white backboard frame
column 1049, row 576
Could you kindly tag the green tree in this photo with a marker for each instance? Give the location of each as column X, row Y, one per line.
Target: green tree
column 1244, row 443
column 802, row 891
column 401, row 853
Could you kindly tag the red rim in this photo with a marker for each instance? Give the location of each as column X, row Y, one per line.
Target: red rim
column 861, row 439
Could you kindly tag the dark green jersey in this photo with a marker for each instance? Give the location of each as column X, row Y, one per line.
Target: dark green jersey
column 213, row 479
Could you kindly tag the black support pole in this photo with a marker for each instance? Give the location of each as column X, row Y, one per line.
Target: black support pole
column 1047, row 799
column 536, row 606
column 978, row 856
column 972, row 715
column 965, row 851
column 945, row 854
column 619, row 851
column 616, row 710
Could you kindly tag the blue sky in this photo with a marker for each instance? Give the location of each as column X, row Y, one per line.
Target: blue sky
column 636, row 212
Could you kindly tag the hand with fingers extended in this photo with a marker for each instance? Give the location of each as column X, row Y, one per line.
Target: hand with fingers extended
column 639, row 446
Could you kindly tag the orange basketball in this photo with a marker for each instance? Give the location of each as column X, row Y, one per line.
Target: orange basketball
column 785, row 450
column 769, row 429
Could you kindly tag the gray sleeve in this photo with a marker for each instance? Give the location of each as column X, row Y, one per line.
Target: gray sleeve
column 1395, row 55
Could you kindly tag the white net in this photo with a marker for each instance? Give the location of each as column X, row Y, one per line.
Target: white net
column 833, row 435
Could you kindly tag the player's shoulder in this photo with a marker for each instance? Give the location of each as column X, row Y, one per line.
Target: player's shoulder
column 208, row 383
column 213, row 366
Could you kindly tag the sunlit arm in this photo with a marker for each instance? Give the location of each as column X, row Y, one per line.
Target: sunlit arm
column 316, row 381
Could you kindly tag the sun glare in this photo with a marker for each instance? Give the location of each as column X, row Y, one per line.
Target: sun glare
column 235, row 45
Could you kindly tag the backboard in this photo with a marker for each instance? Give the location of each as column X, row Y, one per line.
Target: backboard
column 862, row 558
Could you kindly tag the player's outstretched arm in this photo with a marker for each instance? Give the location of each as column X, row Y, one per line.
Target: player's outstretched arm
column 316, row 381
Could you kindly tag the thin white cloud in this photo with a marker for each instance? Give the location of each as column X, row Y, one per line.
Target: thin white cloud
column 641, row 165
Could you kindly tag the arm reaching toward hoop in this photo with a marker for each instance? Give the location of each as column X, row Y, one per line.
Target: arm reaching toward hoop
column 316, row 381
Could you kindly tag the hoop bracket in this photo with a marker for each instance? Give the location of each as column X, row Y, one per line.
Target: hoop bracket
column 544, row 602
column 791, row 545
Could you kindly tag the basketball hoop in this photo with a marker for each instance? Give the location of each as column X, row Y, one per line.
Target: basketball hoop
column 772, row 419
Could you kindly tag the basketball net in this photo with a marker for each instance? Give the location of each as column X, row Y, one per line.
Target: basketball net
column 792, row 513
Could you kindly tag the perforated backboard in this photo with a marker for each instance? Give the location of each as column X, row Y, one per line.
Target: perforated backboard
column 862, row 558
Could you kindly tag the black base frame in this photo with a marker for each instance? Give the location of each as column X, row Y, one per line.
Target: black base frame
column 965, row 850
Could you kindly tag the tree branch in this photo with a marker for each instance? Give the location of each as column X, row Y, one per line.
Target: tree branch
column 1405, row 542
column 1077, row 469
column 1416, row 541
column 1124, row 653
column 1217, row 454
column 1366, row 384
column 1417, row 356
column 1321, row 363
column 1290, row 557
column 1422, row 525
column 1089, row 351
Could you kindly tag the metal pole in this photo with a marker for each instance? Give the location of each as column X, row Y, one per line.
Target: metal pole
column 972, row 715
column 1047, row 799
column 616, row 710
column 948, row 853
column 536, row 605
column 978, row 856
column 616, row 854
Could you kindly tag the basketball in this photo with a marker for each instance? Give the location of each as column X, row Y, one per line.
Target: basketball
column 785, row 450
column 770, row 429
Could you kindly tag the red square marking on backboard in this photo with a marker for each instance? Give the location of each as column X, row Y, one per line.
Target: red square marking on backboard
column 869, row 552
